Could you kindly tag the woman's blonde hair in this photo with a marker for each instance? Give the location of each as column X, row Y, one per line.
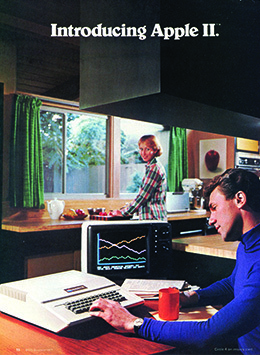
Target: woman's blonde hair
column 153, row 143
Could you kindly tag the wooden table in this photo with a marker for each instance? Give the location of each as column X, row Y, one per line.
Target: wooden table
column 18, row 337
column 211, row 245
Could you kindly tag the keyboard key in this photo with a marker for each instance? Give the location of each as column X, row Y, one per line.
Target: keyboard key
column 84, row 304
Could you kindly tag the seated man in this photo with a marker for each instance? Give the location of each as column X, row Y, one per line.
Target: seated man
column 234, row 202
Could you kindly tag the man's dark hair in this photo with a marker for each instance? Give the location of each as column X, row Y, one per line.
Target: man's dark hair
column 234, row 180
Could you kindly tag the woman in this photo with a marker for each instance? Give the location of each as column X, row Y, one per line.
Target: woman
column 150, row 202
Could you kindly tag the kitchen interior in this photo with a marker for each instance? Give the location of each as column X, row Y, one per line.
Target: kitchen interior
column 32, row 243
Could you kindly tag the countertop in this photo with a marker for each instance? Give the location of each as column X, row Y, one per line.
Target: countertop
column 24, row 226
column 212, row 245
column 192, row 214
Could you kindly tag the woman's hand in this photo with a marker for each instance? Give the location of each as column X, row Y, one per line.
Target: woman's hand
column 114, row 314
column 115, row 213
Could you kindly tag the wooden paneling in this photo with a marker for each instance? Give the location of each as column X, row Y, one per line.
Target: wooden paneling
column 45, row 65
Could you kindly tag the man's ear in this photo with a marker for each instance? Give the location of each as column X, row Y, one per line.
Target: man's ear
column 240, row 199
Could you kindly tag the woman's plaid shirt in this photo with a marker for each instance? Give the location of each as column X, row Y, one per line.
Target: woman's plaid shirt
column 150, row 202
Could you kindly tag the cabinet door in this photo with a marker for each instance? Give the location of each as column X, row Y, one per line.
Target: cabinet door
column 49, row 264
column 77, row 260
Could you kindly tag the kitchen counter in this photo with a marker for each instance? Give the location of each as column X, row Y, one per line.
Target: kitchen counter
column 42, row 225
column 24, row 226
column 211, row 245
column 193, row 214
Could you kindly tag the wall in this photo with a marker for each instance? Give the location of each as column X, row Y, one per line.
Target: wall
column 8, row 77
column 8, row 66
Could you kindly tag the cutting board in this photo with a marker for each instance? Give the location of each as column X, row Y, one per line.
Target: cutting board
column 108, row 218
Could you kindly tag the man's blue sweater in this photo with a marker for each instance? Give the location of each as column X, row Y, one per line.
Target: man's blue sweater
column 238, row 322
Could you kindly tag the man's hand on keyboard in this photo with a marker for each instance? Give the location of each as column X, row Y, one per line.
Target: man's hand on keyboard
column 114, row 314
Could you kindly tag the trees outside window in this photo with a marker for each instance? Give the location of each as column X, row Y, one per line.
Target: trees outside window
column 74, row 152
column 52, row 145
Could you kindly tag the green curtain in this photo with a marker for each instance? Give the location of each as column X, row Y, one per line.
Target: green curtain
column 26, row 187
column 178, row 159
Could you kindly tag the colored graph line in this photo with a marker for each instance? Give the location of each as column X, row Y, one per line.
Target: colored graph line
column 126, row 247
column 122, row 257
column 117, row 245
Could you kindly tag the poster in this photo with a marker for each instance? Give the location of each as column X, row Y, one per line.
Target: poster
column 207, row 76
column 213, row 157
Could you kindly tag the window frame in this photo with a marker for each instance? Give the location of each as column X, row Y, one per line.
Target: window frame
column 64, row 110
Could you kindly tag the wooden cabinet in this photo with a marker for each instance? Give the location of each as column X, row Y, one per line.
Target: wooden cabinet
column 38, row 253
column 48, row 264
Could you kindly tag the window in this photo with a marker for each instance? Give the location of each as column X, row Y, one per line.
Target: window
column 74, row 151
column 76, row 146
column 52, row 144
column 132, row 166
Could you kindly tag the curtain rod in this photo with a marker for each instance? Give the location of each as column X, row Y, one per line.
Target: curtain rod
column 47, row 100
column 59, row 103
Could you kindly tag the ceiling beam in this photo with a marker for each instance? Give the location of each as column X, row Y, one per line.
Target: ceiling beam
column 18, row 24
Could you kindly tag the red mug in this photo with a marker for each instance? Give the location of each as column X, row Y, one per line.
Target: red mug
column 169, row 303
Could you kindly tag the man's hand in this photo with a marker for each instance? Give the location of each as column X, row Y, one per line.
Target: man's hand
column 114, row 314
column 188, row 298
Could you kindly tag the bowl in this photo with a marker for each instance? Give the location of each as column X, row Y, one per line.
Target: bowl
column 95, row 211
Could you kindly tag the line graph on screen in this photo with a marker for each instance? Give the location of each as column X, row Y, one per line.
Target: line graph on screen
column 122, row 251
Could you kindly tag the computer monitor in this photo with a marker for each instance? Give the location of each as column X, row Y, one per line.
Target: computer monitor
column 126, row 249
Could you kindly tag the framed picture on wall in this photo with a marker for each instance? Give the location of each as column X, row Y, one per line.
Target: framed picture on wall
column 213, row 157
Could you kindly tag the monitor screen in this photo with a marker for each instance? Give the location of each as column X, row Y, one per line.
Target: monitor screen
column 118, row 252
column 121, row 251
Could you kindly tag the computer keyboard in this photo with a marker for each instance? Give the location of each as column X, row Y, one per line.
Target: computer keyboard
column 83, row 305
column 60, row 300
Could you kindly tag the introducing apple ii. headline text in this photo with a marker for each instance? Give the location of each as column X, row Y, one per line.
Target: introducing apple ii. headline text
column 166, row 33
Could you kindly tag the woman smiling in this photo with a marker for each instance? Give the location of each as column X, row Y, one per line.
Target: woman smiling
column 150, row 202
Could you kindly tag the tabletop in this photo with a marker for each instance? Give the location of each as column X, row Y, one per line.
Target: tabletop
column 18, row 337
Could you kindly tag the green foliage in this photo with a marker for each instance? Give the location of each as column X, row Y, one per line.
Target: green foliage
column 129, row 150
column 136, row 183
column 86, row 140
column 51, row 130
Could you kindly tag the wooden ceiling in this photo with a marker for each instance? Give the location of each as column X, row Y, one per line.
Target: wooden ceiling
column 45, row 65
